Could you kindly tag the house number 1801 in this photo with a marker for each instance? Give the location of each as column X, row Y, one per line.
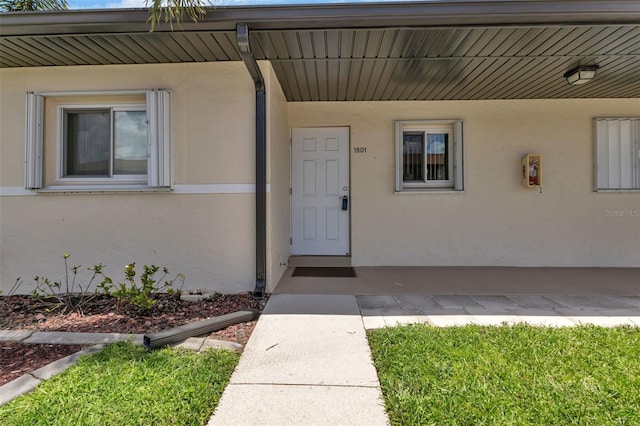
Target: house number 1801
column 359, row 150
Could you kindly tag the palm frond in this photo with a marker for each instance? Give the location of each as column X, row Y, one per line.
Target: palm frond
column 171, row 11
column 33, row 5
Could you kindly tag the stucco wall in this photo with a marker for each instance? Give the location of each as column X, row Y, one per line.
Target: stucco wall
column 278, row 164
column 494, row 221
column 206, row 231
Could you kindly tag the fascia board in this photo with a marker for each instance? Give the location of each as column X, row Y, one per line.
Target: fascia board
column 447, row 13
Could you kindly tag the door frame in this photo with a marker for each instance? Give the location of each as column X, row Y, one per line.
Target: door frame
column 291, row 129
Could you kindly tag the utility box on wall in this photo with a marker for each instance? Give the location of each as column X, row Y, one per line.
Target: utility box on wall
column 531, row 170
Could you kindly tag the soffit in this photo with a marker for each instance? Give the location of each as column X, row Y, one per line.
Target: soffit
column 315, row 59
column 452, row 63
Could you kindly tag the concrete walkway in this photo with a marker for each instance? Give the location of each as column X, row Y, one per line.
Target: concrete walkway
column 307, row 363
column 453, row 310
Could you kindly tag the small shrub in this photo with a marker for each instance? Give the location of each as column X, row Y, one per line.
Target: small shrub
column 70, row 295
column 141, row 293
column 74, row 295
column 215, row 296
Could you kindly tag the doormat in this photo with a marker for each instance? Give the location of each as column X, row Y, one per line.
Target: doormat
column 328, row 272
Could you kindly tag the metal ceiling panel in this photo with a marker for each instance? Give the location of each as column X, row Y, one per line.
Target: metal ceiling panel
column 155, row 49
column 333, row 44
column 60, row 48
column 168, row 43
column 128, row 52
column 13, row 57
column 211, row 41
column 106, row 55
column 471, row 63
column 477, row 78
column 195, row 47
column 35, row 52
column 378, row 63
column 604, row 43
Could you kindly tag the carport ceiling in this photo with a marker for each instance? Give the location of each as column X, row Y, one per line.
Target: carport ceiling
column 452, row 63
column 314, row 61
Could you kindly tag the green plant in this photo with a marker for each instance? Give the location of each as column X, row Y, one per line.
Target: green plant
column 215, row 296
column 70, row 295
column 16, row 285
column 74, row 295
column 140, row 292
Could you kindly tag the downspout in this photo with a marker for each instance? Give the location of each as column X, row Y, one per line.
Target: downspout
column 242, row 34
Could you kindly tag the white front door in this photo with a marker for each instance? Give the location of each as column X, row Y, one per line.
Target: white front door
column 320, row 201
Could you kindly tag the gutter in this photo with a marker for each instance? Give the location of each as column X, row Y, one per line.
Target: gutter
column 242, row 34
column 443, row 13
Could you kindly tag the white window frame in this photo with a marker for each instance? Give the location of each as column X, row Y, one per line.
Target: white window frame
column 159, row 167
column 453, row 128
column 616, row 154
column 61, row 145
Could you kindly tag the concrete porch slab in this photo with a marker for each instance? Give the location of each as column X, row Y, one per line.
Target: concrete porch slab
column 463, row 280
column 458, row 310
column 535, row 301
column 595, row 302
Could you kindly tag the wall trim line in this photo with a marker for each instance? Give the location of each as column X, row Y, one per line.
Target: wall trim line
column 207, row 188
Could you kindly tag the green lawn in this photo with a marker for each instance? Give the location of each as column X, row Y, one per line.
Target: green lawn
column 509, row 375
column 126, row 385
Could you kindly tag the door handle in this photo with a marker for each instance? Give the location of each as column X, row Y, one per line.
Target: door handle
column 345, row 202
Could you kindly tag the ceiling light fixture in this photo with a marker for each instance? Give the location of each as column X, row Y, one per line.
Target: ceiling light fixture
column 581, row 74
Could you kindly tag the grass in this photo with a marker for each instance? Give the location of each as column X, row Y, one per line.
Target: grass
column 127, row 385
column 509, row 375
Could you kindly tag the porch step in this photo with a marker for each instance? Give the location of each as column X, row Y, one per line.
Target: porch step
column 319, row 261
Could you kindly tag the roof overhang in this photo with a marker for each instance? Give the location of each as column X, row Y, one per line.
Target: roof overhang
column 444, row 13
column 411, row 50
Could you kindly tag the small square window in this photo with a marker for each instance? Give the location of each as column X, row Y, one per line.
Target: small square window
column 428, row 155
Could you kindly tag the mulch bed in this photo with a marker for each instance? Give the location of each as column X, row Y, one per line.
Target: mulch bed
column 17, row 359
column 104, row 314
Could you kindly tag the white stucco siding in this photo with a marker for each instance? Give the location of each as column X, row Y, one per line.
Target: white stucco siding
column 205, row 229
column 494, row 221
